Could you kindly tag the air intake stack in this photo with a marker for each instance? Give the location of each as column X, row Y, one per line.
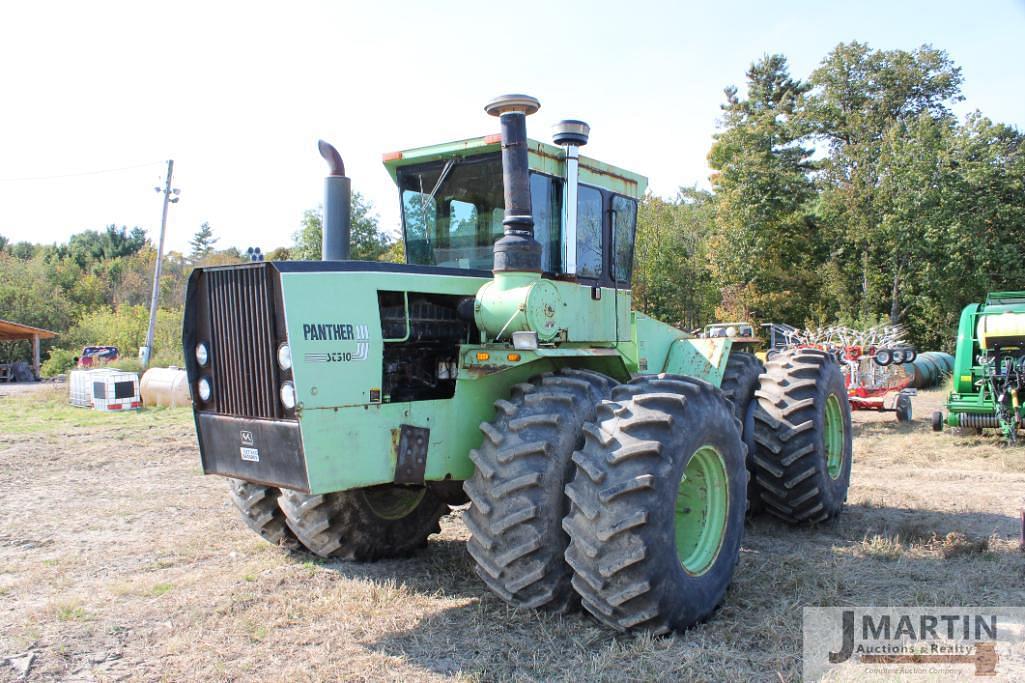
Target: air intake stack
column 516, row 250
column 337, row 196
column 517, row 305
column 572, row 135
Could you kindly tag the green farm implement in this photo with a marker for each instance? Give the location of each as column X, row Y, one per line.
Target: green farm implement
column 608, row 458
column 989, row 367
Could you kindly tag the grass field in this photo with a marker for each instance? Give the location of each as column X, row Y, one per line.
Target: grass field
column 119, row 560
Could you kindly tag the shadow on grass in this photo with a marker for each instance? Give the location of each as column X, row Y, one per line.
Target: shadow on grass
column 442, row 569
column 888, row 427
column 866, row 520
column 783, row 569
column 488, row 640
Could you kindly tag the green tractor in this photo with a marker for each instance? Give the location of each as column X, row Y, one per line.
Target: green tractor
column 609, row 458
column 989, row 367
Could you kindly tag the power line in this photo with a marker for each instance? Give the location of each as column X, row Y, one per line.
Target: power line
column 84, row 173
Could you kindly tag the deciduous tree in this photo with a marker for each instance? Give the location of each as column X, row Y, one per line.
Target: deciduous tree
column 367, row 241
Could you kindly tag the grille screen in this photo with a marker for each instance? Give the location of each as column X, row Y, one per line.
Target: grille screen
column 242, row 341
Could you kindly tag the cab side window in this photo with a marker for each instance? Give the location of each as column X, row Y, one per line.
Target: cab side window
column 624, row 222
column 589, row 232
column 546, row 203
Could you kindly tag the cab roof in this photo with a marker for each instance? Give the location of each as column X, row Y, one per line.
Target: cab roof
column 543, row 157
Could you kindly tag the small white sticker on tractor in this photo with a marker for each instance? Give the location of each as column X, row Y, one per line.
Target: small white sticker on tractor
column 250, row 454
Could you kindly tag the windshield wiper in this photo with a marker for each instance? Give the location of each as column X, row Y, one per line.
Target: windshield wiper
column 441, row 178
column 427, row 199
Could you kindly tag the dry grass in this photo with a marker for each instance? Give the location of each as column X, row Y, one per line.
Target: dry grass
column 119, row 561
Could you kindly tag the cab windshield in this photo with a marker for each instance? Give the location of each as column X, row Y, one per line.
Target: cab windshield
column 452, row 211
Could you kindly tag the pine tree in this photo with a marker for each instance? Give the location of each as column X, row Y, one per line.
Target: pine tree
column 765, row 250
column 202, row 243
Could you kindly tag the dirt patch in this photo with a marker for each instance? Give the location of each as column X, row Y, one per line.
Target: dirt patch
column 119, row 560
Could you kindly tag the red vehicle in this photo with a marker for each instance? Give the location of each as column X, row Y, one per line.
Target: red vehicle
column 875, row 382
column 94, row 356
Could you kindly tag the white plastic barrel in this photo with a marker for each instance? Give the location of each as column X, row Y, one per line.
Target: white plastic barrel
column 165, row 387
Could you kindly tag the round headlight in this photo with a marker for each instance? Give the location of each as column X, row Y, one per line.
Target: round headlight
column 202, row 354
column 287, row 394
column 206, row 389
column 884, row 357
column 898, row 356
column 285, row 357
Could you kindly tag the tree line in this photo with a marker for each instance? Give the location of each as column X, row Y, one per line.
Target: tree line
column 96, row 288
column 854, row 195
column 851, row 195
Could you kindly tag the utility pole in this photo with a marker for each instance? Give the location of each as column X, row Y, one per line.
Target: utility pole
column 147, row 351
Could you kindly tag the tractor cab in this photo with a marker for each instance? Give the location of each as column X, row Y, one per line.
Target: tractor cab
column 584, row 211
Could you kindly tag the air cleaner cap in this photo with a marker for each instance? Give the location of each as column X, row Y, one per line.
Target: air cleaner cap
column 505, row 104
column 571, row 132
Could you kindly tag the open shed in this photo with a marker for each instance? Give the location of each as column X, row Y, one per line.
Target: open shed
column 11, row 331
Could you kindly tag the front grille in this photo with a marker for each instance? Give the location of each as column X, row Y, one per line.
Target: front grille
column 242, row 342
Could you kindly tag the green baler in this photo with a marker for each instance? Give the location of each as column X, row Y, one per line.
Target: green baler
column 609, row 458
column 989, row 367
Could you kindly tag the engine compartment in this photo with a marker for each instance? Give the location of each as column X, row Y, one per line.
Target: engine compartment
column 422, row 334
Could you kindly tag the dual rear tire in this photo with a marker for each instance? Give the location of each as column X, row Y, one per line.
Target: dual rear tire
column 796, row 423
column 802, row 428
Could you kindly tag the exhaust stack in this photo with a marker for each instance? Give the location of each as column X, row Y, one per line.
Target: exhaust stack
column 516, row 250
column 337, row 196
column 572, row 135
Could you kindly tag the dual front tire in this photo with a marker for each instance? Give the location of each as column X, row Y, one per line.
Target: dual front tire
column 362, row 524
column 657, row 505
column 634, row 505
column 516, row 492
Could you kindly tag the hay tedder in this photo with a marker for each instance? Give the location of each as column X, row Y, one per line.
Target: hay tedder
column 874, row 364
column 609, row 458
column 989, row 367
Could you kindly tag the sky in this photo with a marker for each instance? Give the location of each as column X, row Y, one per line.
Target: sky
column 239, row 93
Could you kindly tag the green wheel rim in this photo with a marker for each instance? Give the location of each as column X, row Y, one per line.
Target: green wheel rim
column 834, row 436
column 702, row 500
column 393, row 502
